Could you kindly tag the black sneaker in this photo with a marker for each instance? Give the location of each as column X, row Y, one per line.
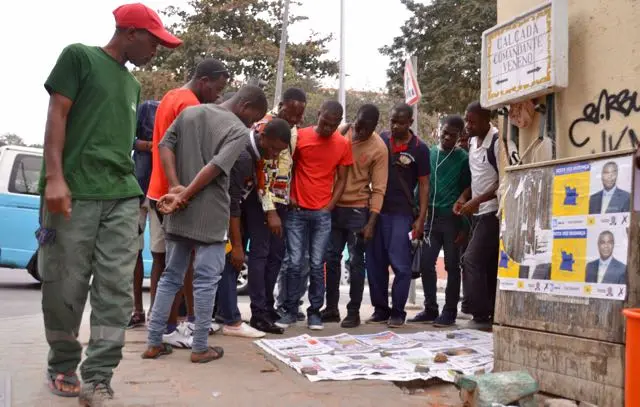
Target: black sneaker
column 424, row 317
column 480, row 324
column 137, row 320
column 444, row 320
column 300, row 316
column 273, row 315
column 330, row 315
column 377, row 319
column 396, row 322
column 351, row 321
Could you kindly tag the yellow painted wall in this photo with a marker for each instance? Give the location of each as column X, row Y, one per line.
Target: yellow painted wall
column 604, row 59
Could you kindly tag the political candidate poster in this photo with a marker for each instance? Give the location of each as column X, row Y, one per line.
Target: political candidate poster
column 583, row 250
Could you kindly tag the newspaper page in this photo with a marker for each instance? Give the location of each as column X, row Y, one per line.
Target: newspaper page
column 345, row 343
column 385, row 356
column 302, row 345
column 388, row 340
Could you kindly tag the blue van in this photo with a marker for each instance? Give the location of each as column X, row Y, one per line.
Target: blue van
column 20, row 206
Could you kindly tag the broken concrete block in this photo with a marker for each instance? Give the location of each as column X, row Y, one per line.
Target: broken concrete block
column 497, row 388
column 560, row 403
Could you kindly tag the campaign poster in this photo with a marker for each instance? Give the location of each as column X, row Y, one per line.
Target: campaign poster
column 607, row 255
column 585, row 252
column 571, row 189
column 569, row 255
column 610, row 189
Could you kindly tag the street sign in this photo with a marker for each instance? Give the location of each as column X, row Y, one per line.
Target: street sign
column 412, row 92
column 527, row 56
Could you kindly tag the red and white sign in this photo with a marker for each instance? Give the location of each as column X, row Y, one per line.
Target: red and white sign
column 412, row 92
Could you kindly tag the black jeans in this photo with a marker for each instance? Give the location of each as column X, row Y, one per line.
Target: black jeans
column 266, row 252
column 441, row 235
column 346, row 225
column 481, row 265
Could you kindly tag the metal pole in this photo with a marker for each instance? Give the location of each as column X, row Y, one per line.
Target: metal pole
column 342, row 92
column 412, row 289
column 414, row 127
column 281, row 57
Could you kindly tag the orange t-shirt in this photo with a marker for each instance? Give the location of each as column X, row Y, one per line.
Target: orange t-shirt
column 171, row 105
column 316, row 160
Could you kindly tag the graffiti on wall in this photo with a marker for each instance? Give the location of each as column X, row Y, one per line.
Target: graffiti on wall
column 610, row 107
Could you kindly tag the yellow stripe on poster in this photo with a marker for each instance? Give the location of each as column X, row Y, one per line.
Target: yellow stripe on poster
column 507, row 268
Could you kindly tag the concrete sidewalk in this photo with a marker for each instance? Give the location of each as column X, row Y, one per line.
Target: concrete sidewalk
column 243, row 377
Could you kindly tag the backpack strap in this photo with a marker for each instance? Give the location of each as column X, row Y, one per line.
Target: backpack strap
column 403, row 184
column 491, row 153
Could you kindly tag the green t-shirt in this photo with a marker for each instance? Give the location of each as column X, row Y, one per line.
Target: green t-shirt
column 450, row 175
column 101, row 124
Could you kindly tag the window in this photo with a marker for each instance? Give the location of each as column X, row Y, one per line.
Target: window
column 25, row 174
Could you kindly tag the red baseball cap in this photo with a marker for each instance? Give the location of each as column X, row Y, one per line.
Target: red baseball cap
column 137, row 15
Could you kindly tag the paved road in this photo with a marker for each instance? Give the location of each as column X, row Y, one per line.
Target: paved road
column 20, row 294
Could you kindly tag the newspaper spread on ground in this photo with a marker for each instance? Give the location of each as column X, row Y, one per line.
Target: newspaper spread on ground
column 385, row 355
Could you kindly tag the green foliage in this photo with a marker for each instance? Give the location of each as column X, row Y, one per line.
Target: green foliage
column 245, row 34
column 446, row 37
column 11, row 139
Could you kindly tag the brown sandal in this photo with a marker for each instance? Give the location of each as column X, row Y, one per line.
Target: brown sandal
column 211, row 354
column 56, row 381
column 154, row 352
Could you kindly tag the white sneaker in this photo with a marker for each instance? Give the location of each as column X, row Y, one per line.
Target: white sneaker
column 214, row 328
column 243, row 330
column 178, row 340
column 186, row 328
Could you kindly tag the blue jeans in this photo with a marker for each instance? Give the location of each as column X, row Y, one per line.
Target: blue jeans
column 390, row 247
column 346, row 228
column 282, row 280
column 228, row 296
column 207, row 270
column 316, row 225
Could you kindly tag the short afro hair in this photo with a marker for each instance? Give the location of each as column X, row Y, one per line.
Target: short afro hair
column 211, row 68
column 455, row 121
column 294, row 94
column 278, row 128
column 332, row 107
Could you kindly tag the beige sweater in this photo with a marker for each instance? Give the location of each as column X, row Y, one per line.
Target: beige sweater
column 367, row 177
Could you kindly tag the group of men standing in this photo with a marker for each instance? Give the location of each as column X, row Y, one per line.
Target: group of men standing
column 220, row 171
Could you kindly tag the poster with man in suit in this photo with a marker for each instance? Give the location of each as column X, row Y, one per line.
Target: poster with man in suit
column 606, row 268
column 611, row 192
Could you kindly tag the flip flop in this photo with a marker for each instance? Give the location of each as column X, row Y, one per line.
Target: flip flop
column 163, row 349
column 219, row 352
column 56, row 380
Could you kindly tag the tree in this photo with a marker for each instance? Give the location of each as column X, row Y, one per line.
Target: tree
column 446, row 36
column 355, row 99
column 11, row 139
column 245, row 34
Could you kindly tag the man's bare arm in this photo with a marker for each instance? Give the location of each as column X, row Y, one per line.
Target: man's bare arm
column 202, row 179
column 338, row 187
column 55, row 135
column 168, row 159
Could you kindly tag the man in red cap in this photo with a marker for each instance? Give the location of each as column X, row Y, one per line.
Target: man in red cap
column 90, row 201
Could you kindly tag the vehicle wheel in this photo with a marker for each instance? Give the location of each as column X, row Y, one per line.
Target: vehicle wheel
column 32, row 267
column 242, row 286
